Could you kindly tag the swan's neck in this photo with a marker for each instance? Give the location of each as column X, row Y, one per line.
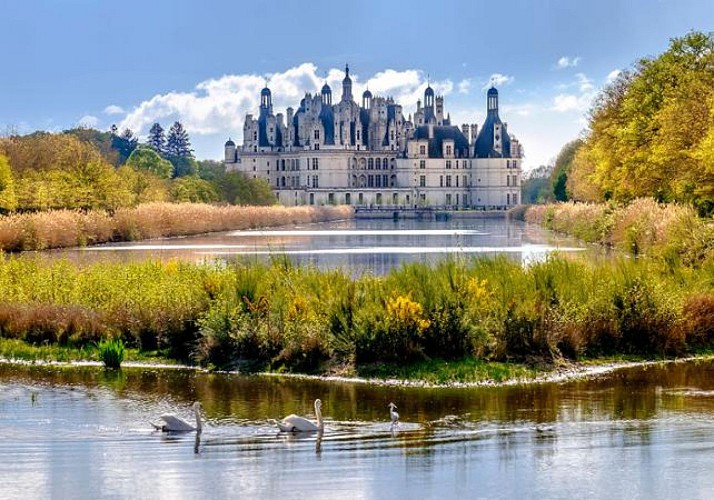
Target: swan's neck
column 318, row 413
column 198, row 419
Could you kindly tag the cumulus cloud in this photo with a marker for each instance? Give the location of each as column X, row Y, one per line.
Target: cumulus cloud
column 584, row 83
column 567, row 62
column 113, row 109
column 88, row 121
column 498, row 80
column 464, row 86
column 612, row 75
column 219, row 105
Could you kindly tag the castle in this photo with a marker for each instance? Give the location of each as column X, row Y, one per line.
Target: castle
column 370, row 155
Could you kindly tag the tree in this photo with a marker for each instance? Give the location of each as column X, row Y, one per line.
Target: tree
column 157, row 139
column 194, row 190
column 124, row 144
column 562, row 168
column 145, row 158
column 649, row 130
column 8, row 201
column 536, row 185
column 177, row 142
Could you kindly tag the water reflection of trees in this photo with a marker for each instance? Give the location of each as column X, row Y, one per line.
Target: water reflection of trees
column 627, row 395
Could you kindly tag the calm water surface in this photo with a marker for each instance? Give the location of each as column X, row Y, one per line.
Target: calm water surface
column 85, row 433
column 358, row 245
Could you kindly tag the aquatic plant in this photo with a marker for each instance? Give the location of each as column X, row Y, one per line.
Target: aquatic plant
column 111, row 352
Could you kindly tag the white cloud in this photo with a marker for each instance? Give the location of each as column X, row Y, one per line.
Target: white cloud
column 464, row 86
column 584, row 83
column 88, row 121
column 498, row 80
column 113, row 109
column 567, row 62
column 612, row 75
column 219, row 105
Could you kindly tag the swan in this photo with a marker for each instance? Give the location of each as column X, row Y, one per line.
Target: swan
column 393, row 414
column 295, row 423
column 172, row 423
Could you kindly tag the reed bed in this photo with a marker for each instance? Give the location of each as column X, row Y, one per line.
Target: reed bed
column 644, row 227
column 284, row 317
column 70, row 228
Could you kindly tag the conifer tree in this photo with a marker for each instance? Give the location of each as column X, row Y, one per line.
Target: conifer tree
column 157, row 139
column 178, row 144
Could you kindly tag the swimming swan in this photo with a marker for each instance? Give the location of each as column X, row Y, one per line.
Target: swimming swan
column 294, row 423
column 393, row 414
column 172, row 423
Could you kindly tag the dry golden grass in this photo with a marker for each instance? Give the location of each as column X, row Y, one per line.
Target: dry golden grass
column 69, row 228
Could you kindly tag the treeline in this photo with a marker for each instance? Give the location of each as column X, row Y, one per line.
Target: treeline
column 651, row 134
column 89, row 169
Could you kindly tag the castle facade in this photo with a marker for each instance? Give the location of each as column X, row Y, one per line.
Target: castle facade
column 369, row 155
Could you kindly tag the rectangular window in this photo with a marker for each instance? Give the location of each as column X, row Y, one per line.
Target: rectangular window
column 422, row 181
column 448, row 164
column 448, row 199
column 441, row 181
column 457, row 185
column 448, row 181
column 422, row 150
column 378, row 181
column 448, row 150
column 422, row 164
column 317, row 133
column 370, row 181
column 315, row 163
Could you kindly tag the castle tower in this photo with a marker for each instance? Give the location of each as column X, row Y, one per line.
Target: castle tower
column 326, row 95
column 266, row 101
column 367, row 99
column 347, row 85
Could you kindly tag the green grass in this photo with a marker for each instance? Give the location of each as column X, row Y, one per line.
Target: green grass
column 16, row 349
column 111, row 352
column 468, row 370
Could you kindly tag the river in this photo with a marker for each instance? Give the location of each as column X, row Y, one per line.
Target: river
column 85, row 433
column 374, row 246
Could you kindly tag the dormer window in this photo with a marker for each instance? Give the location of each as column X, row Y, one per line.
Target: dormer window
column 448, row 150
column 422, row 150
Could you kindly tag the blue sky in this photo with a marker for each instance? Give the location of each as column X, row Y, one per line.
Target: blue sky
column 96, row 62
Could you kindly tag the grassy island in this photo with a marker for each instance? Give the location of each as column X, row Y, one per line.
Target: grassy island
column 464, row 315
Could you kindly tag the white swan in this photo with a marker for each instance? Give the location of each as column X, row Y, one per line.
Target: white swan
column 295, row 423
column 393, row 414
column 172, row 423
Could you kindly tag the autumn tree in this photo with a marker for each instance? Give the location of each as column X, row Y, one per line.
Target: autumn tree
column 8, row 201
column 650, row 128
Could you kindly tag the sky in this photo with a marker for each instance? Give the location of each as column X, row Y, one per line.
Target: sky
column 132, row 63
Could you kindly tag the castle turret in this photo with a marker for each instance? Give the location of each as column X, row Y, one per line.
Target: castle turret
column 347, row 85
column 230, row 151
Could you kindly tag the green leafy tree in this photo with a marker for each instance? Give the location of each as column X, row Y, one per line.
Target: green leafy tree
column 192, row 189
column 144, row 158
column 536, row 185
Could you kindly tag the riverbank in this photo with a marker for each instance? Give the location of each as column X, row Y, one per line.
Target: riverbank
column 72, row 228
column 464, row 373
column 669, row 232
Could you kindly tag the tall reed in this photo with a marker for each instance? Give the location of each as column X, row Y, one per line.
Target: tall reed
column 68, row 228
